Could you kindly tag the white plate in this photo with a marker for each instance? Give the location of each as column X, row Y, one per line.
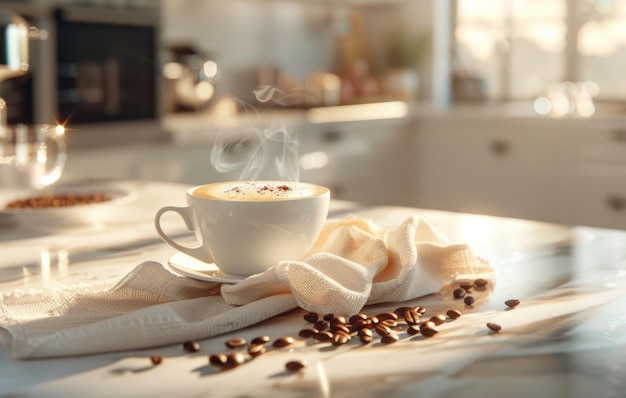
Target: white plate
column 196, row 269
column 119, row 193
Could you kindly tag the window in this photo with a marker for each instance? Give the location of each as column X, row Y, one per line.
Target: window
column 526, row 49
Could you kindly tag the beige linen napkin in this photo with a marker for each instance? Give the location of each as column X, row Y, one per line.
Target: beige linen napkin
column 352, row 264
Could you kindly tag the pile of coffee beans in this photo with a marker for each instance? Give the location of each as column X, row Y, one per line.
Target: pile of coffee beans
column 336, row 330
column 58, row 200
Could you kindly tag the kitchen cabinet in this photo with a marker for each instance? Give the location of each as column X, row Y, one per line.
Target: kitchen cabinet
column 567, row 171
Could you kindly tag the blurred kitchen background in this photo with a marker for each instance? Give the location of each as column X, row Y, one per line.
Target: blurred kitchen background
column 503, row 107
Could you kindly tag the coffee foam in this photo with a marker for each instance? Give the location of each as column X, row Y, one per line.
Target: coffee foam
column 258, row 191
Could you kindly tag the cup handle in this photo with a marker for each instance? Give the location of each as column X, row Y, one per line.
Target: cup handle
column 185, row 214
column 54, row 173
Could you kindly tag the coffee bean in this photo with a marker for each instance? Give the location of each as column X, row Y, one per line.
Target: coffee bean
column 283, row 341
column 494, row 326
column 480, row 282
column 400, row 311
column 411, row 317
column 338, row 320
column 191, row 346
column 294, row 366
column 438, row 319
column 512, row 303
column 261, row 340
column 468, row 300
column 420, row 310
column 308, row 332
column 321, row 325
column 340, row 327
column 329, row 317
column 235, row 342
column 233, row 360
column 429, row 331
column 466, row 285
column 256, row 349
column 311, row 317
column 360, row 324
column 459, row 292
column 413, row 330
column 373, row 320
column 390, row 323
column 382, row 330
column 218, row 359
column 365, row 335
column 156, row 359
column 389, row 338
column 453, row 314
column 387, row 315
column 323, row 336
column 357, row 318
column 428, row 324
column 340, row 338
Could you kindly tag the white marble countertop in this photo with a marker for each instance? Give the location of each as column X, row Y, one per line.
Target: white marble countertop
column 567, row 338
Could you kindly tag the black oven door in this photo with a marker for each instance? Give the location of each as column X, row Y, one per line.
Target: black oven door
column 105, row 71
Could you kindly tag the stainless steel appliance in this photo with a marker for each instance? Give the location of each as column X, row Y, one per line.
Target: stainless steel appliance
column 96, row 71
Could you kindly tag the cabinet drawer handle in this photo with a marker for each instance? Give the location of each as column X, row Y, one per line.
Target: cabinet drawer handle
column 500, row 147
column 619, row 135
column 616, row 203
column 331, row 136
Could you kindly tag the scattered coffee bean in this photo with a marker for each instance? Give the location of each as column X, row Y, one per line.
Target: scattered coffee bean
column 233, row 360
column 512, row 303
column 256, row 349
column 420, row 310
column 340, row 338
column 218, row 359
column 373, row 320
column 339, row 327
column 357, row 318
column 400, row 311
column 459, row 292
column 366, row 335
column 390, row 323
column 466, row 285
column 429, row 331
column 480, row 282
column 311, row 317
column 323, row 336
column 438, row 319
column 389, row 338
column 308, row 332
column 321, row 325
column 411, row 316
column 294, row 366
column 329, row 317
column 382, row 330
column 261, row 340
column 338, row 320
column 453, row 314
column 283, row 341
column 235, row 342
column 468, row 300
column 191, row 346
column 494, row 326
column 156, row 359
column 413, row 330
column 387, row 315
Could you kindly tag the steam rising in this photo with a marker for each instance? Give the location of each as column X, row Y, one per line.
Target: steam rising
column 265, row 153
column 272, row 94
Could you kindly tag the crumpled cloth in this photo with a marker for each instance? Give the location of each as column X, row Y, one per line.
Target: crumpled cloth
column 352, row 264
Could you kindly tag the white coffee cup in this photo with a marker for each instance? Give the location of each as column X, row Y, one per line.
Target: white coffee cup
column 31, row 157
column 245, row 227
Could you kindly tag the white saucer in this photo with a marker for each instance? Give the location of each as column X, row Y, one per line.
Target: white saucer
column 196, row 269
